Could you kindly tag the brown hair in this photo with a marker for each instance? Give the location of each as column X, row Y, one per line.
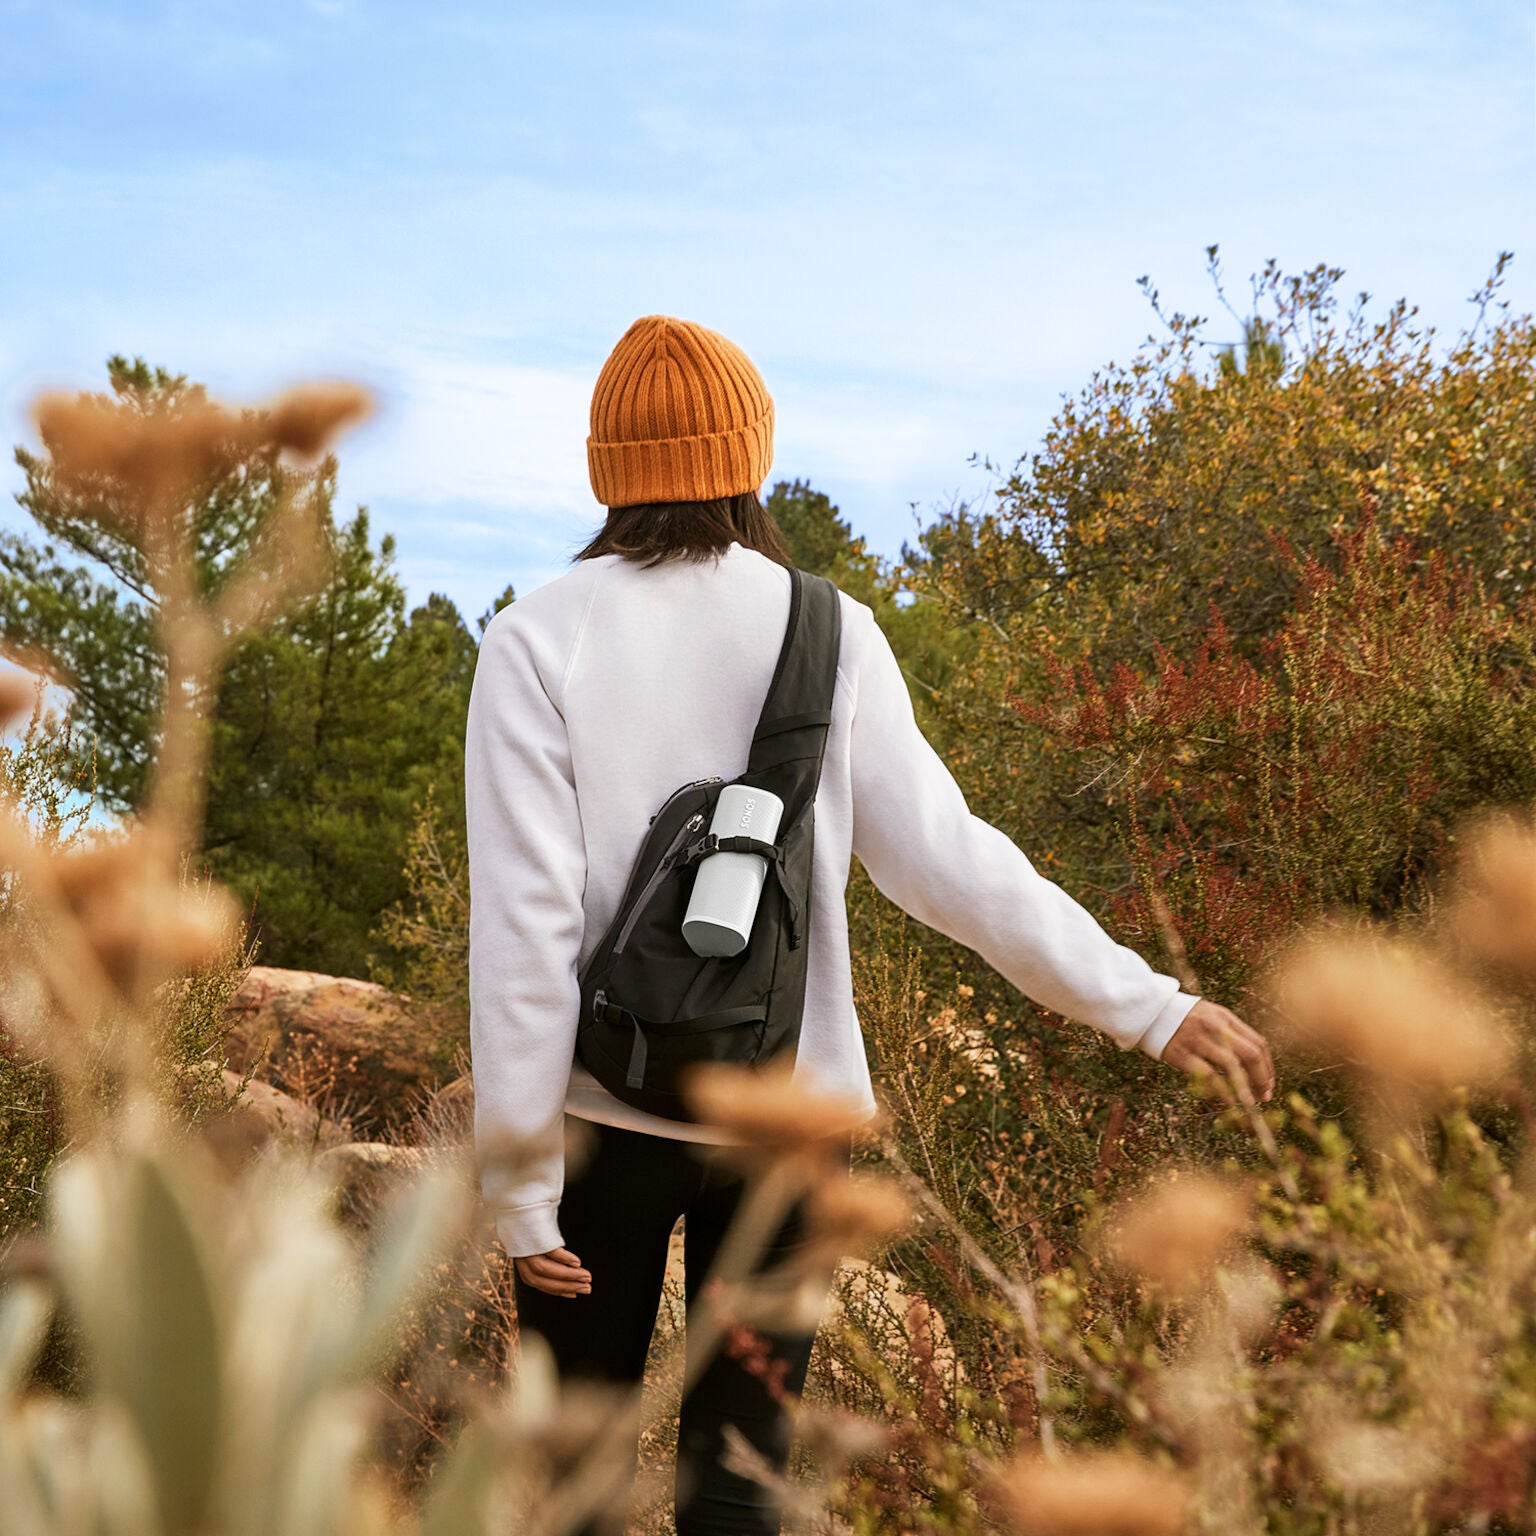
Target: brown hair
column 653, row 531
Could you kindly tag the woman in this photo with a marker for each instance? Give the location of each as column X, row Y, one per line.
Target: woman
column 594, row 697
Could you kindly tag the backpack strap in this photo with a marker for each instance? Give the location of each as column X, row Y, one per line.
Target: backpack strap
column 791, row 735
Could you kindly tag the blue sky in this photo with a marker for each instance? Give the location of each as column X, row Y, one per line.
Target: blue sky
column 924, row 222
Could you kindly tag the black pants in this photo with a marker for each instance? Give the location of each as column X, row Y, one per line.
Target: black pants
column 617, row 1216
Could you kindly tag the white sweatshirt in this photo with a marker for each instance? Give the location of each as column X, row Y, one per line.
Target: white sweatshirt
column 598, row 694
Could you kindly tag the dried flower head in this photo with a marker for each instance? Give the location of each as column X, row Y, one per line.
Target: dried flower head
column 1366, row 1457
column 18, row 691
column 142, row 463
column 847, row 1217
column 1253, row 1293
column 1094, row 1493
column 771, row 1109
column 1391, row 1009
column 585, row 1412
column 141, row 466
column 142, row 924
column 305, row 418
column 1493, row 904
column 834, row 1435
column 1173, row 1233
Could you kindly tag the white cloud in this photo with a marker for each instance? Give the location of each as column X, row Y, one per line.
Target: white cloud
column 454, row 430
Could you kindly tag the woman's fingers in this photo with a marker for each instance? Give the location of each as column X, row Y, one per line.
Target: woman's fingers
column 1214, row 1039
column 554, row 1284
column 558, row 1273
column 1253, row 1049
column 1263, row 1076
column 1269, row 1060
column 1234, row 1064
column 1246, row 1061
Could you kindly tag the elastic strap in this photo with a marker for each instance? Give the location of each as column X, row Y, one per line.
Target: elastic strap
column 711, row 843
column 773, row 852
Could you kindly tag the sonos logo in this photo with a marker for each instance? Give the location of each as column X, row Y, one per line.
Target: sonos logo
column 746, row 813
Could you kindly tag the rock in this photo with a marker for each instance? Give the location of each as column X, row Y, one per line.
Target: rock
column 365, row 1158
column 343, row 1042
column 278, row 1113
column 363, row 1170
column 458, row 1096
column 449, row 1114
column 259, row 1115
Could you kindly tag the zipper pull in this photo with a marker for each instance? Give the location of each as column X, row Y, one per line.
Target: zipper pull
column 684, row 851
column 713, row 778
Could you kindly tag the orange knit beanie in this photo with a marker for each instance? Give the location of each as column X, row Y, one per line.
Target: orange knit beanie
column 678, row 414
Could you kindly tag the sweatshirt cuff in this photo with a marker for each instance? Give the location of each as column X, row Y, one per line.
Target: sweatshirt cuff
column 1163, row 1026
column 529, row 1229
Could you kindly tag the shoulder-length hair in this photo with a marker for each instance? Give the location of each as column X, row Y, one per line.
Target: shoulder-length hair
column 654, row 531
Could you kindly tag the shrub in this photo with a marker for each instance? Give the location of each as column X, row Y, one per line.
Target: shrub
column 1253, row 794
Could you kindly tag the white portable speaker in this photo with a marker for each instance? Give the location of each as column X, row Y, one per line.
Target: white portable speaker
column 728, row 886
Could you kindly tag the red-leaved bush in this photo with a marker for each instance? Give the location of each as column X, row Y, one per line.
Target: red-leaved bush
column 1325, row 771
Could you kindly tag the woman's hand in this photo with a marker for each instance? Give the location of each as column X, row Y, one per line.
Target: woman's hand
column 1211, row 1039
column 558, row 1272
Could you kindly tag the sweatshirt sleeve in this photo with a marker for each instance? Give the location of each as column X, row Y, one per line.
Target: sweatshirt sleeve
column 928, row 853
column 527, row 877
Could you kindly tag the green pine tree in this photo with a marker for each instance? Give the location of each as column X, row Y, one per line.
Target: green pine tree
column 327, row 727
column 328, row 732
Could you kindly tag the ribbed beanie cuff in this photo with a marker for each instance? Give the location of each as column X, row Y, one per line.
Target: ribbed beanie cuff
column 682, row 468
column 679, row 413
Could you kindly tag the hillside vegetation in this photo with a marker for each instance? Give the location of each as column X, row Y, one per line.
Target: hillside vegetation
column 1241, row 654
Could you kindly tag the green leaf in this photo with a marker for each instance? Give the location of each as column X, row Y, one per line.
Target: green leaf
column 167, row 1361
column 26, row 1307
column 455, row 1504
column 320, row 1466
column 428, row 1211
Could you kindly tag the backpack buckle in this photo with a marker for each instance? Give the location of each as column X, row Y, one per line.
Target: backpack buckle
column 698, row 850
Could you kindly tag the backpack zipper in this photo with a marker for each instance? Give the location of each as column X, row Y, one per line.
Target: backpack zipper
column 713, row 778
column 693, row 823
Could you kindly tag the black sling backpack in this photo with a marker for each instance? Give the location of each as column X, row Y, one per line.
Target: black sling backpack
column 650, row 1007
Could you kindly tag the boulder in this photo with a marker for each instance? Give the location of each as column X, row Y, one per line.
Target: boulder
column 457, row 1097
column 259, row 1115
column 370, row 1157
column 342, row 1042
column 363, row 1171
column 449, row 1114
column 867, row 1296
column 276, row 1112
